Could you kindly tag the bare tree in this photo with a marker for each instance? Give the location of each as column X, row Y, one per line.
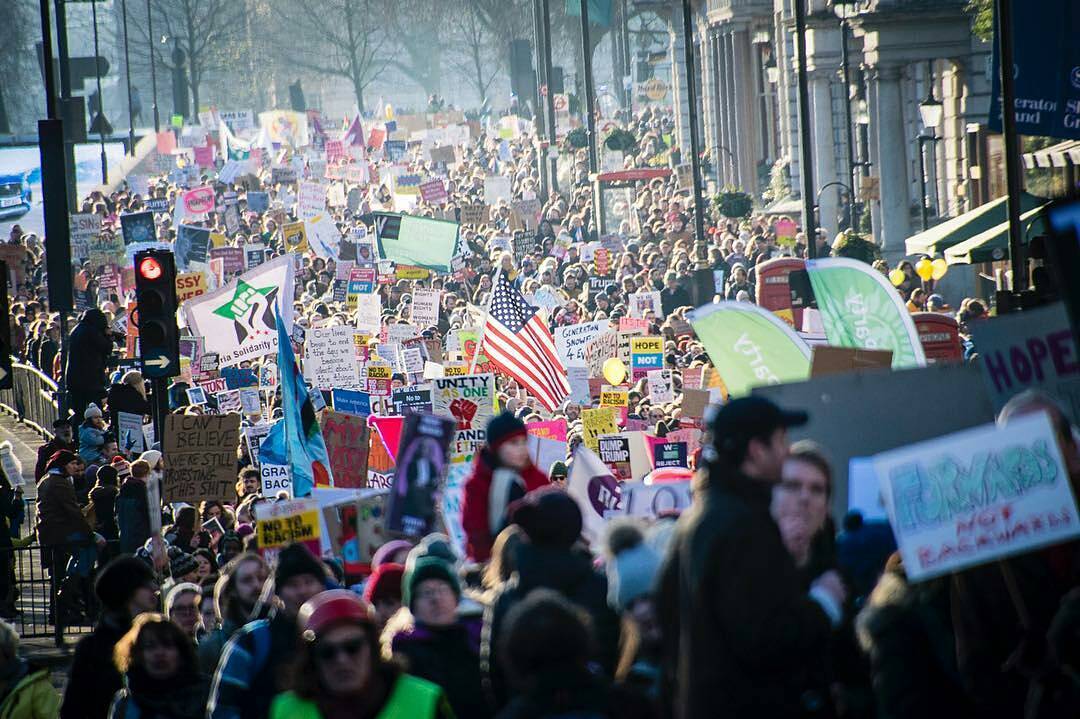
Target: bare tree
column 419, row 29
column 20, row 81
column 474, row 51
column 196, row 34
column 333, row 37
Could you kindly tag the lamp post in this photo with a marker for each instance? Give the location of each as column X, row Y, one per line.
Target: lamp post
column 153, row 63
column 862, row 121
column 806, row 165
column 844, row 9
column 930, row 110
column 100, row 98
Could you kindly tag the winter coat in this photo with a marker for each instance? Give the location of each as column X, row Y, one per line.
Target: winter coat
column 176, row 698
column 483, row 498
column 450, row 658
column 907, row 632
column 45, row 453
column 88, row 353
column 671, row 300
column 567, row 571
column 58, row 512
column 32, row 697
column 132, row 515
column 741, row 636
column 103, row 498
column 574, row 692
column 249, row 673
column 410, row 698
column 212, row 644
column 122, row 397
column 94, row 679
column 91, row 440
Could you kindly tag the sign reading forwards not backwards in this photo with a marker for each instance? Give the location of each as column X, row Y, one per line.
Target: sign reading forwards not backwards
column 200, row 457
column 978, row 495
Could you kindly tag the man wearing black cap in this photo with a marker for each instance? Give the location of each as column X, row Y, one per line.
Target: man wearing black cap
column 250, row 668
column 63, row 440
column 740, row 633
column 126, row 588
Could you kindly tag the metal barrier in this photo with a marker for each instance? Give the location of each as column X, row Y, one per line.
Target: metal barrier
column 32, row 399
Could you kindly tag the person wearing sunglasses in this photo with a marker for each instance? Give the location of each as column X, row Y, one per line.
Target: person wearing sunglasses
column 339, row 672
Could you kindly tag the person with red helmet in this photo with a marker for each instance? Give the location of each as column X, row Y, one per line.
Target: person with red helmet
column 340, row 673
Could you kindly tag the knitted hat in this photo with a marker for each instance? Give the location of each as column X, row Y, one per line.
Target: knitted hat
column 384, row 583
column 385, row 552
column 434, row 545
column 549, row 516
column 60, row 458
column 92, row 411
column 557, row 471
column 182, row 565
column 151, row 456
column 120, row 579
column 429, row 567
column 503, row 427
column 632, row 565
column 294, row 560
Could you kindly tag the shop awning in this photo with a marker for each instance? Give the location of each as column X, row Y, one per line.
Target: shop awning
column 993, row 244
column 963, row 227
column 1060, row 155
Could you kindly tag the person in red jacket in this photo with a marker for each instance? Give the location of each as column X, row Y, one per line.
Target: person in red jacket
column 502, row 473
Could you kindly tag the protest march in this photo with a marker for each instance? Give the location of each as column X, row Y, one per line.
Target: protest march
column 361, row 416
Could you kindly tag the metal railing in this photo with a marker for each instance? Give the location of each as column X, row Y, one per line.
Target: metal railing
column 32, row 399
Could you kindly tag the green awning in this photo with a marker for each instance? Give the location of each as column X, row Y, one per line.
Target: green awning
column 963, row 227
column 993, row 244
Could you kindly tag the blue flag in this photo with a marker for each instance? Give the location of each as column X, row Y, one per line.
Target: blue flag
column 304, row 444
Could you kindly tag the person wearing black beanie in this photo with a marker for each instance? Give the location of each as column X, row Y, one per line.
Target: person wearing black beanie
column 126, row 587
column 502, row 472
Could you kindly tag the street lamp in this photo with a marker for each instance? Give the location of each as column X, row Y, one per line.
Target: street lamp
column 846, row 9
column 931, row 111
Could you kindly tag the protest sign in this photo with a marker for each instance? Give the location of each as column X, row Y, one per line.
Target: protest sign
column 249, row 400
column 646, row 354
column 425, row 307
column 661, row 388
column 232, row 259
column 669, row 454
column 196, row 396
column 294, row 235
column 1030, row 349
column 311, row 200
column 600, row 349
column 254, row 255
column 239, row 320
column 596, row 422
column 377, row 379
column 368, row 312
column 570, row 341
column 496, row 187
column 200, row 457
column 650, row 501
column 346, row 438
column 422, row 459
column 330, row 357
column 641, row 303
column 254, row 436
column 470, row 401
column 190, row 284
column 416, row 241
column 578, row 377
column 413, row 398
column 473, row 214
column 138, row 227
column 351, row 402
column 275, row 478
column 978, row 495
column 547, row 443
column 192, row 246
column 83, row 229
column 129, row 434
column 279, row 524
column 615, row 453
column 433, row 192
column 228, row 401
column 258, row 201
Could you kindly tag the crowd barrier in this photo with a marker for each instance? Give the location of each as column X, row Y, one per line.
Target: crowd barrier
column 32, row 399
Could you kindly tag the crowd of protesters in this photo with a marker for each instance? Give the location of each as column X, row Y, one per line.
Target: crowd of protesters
column 750, row 604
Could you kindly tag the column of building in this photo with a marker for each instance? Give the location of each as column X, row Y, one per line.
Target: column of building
column 888, row 118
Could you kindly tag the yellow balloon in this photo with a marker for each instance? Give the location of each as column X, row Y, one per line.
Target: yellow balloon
column 924, row 268
column 389, row 111
column 940, row 267
column 896, row 277
column 614, row 371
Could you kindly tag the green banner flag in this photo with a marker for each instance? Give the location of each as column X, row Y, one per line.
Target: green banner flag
column 416, row 241
column 860, row 308
column 750, row 346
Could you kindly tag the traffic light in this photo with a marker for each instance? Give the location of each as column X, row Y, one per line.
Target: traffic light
column 155, row 296
column 5, row 331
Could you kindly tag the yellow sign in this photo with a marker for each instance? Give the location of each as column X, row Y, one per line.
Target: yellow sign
column 655, row 89
column 278, row 531
column 614, row 397
column 378, row 371
column 217, row 239
column 190, row 284
column 646, row 345
column 295, row 237
column 455, row 369
column 597, row 422
column 407, row 272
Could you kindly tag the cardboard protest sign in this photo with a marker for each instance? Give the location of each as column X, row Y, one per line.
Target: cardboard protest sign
column 596, row 422
column 276, row 478
column 425, row 307
column 330, row 358
column 422, row 460
column 496, row 187
column 346, row 438
column 83, row 229
column 1030, row 349
column 200, row 457
column 570, row 341
column 190, row 284
column 473, row 214
column 976, row 496
column 278, row 524
column 547, row 443
column 838, row 360
column 641, row 303
column 661, row 387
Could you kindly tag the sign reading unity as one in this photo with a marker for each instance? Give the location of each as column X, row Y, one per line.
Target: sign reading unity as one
column 978, row 495
column 750, row 346
column 861, row 309
column 238, row 321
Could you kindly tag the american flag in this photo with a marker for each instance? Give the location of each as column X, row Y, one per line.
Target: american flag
column 517, row 342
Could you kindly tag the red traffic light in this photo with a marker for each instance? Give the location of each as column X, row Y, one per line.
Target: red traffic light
column 150, row 268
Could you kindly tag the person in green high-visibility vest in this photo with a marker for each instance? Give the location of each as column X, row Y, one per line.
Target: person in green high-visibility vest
column 340, row 673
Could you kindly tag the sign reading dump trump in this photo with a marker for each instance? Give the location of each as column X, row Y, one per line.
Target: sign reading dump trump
column 200, row 457
column 978, row 495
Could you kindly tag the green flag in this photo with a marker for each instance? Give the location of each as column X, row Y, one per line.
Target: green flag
column 860, row 308
column 416, row 241
column 750, row 346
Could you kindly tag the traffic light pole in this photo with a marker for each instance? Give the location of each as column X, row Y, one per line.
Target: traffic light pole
column 159, row 390
column 100, row 100
column 590, row 98
column 692, row 112
column 64, row 61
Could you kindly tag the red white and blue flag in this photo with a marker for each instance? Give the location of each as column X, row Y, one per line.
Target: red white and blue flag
column 518, row 342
